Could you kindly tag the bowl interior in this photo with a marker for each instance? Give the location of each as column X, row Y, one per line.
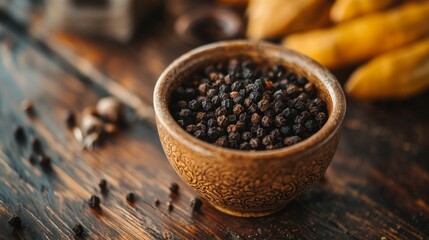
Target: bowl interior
column 328, row 87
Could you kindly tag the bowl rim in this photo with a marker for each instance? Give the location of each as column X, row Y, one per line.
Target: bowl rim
column 318, row 139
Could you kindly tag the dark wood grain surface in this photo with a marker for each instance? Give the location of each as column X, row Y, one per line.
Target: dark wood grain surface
column 377, row 186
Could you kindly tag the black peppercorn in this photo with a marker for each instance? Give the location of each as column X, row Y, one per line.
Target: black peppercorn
column 189, row 93
column 280, row 121
column 19, row 134
column 239, row 99
column 193, row 104
column 227, row 103
column 278, row 95
column 244, row 117
column 45, row 162
column 15, row 221
column 244, row 146
column 181, row 123
column 170, row 206
column 242, row 105
column 254, row 143
column 28, row 108
column 255, row 119
column 268, row 140
column 246, row 136
column 247, row 102
column 263, row 105
column 310, row 125
column 191, row 128
column 174, row 188
column 286, row 131
column 234, row 136
column 302, row 117
column 32, row 159
column 157, row 202
column 253, row 108
column 216, row 100
column 130, row 197
column 237, row 109
column 94, row 202
column 229, row 79
column 275, row 133
column 222, row 141
column 232, row 118
column 207, row 105
column 196, row 204
column 260, row 132
column 184, row 113
column 182, row 104
column 292, row 140
column 199, row 134
column 278, row 106
column 200, row 116
column 302, row 97
column 202, row 126
column 103, row 185
column 298, row 129
column 321, row 118
column 211, row 92
column 300, row 105
column 289, row 113
column 222, row 121
column 220, row 111
column 78, row 229
column 235, row 86
column 233, row 94
column 231, row 128
column 36, row 145
column 71, row 120
column 224, row 88
column 266, row 121
column 292, row 90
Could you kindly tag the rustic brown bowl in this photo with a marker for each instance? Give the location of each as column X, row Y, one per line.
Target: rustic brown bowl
column 248, row 183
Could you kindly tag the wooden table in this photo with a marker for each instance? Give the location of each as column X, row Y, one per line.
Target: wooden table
column 377, row 186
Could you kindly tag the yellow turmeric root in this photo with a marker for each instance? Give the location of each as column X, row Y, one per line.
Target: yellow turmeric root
column 343, row 10
column 361, row 39
column 397, row 74
column 275, row 18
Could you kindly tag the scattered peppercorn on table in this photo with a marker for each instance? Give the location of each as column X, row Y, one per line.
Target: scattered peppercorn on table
column 375, row 188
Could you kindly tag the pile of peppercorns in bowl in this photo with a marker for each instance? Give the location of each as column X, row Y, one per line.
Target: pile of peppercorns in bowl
column 248, row 105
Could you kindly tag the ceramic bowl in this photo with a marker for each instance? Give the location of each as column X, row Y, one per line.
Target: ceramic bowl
column 248, row 183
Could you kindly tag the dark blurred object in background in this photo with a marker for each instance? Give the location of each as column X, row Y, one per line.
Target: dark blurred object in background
column 209, row 23
column 113, row 19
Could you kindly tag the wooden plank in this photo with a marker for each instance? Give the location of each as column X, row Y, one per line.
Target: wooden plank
column 376, row 186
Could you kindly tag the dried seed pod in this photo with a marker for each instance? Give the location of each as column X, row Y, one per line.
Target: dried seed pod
column 91, row 124
column 110, row 109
